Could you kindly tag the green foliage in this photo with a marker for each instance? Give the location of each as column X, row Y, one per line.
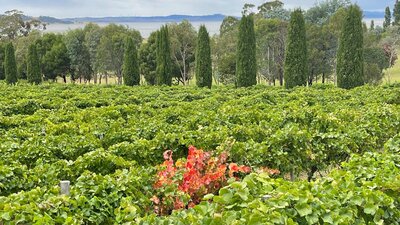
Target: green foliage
column 130, row 70
column 274, row 10
column 148, row 59
column 10, row 65
column 229, row 24
column 372, row 73
column 97, row 136
column 321, row 53
column 296, row 60
column 94, row 199
column 224, row 49
column 164, row 61
column 371, row 196
column 2, row 58
column 246, row 62
column 322, row 12
column 271, row 35
column 93, row 34
column 375, row 61
column 183, row 48
column 396, row 13
column 203, row 59
column 21, row 46
column 56, row 62
column 79, row 55
column 388, row 18
column 33, row 68
column 110, row 49
column 14, row 24
column 350, row 56
column 22, row 71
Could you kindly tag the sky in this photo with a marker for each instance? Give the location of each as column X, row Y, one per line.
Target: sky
column 101, row 8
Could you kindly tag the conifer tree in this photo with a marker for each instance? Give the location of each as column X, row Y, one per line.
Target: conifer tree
column 246, row 63
column 164, row 60
column 350, row 56
column 203, row 59
column 130, row 70
column 388, row 18
column 33, row 66
column 2, row 58
column 372, row 26
column 296, row 61
column 10, row 65
column 396, row 13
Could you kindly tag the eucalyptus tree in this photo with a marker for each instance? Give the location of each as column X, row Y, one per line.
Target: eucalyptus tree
column 183, row 45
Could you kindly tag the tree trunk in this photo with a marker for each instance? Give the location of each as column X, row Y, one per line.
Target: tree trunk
column 323, row 78
column 184, row 69
column 106, row 75
column 64, row 79
column 316, row 78
column 280, row 76
column 95, row 78
column 270, row 78
column 119, row 74
column 292, row 177
column 311, row 173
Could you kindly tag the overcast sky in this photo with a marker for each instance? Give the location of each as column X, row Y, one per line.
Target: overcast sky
column 99, row 8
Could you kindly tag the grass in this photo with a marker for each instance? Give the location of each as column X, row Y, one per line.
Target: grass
column 393, row 73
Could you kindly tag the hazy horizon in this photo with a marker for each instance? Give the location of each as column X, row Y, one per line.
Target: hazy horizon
column 145, row 8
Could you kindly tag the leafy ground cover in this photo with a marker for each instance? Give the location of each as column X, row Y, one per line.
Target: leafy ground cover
column 109, row 140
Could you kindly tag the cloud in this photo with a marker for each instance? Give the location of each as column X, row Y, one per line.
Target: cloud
column 98, row 8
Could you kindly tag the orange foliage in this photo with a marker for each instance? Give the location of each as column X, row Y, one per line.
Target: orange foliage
column 201, row 174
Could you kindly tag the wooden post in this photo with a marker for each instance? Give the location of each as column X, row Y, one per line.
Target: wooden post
column 65, row 187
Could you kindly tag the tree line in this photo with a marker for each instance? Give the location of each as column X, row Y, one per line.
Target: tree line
column 268, row 44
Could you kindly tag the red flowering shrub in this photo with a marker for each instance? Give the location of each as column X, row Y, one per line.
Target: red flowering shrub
column 183, row 184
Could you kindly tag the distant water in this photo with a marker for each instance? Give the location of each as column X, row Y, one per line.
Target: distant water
column 145, row 28
column 377, row 21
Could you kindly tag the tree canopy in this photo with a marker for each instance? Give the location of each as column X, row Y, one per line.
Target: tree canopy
column 296, row 61
column 246, row 61
column 203, row 59
column 350, row 56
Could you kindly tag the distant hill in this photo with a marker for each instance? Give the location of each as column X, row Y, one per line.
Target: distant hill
column 129, row 19
column 171, row 18
column 46, row 19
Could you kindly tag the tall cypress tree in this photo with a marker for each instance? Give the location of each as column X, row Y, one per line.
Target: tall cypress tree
column 296, row 61
column 396, row 13
column 203, row 59
column 246, row 62
column 130, row 70
column 33, row 66
column 388, row 18
column 10, row 65
column 2, row 56
column 164, row 60
column 372, row 26
column 350, row 56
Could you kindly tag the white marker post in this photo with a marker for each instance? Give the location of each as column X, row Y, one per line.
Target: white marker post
column 65, row 187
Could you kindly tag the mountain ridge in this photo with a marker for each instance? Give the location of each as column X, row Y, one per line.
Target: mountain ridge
column 170, row 18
